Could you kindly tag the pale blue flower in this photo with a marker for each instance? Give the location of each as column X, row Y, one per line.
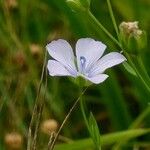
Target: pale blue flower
column 87, row 63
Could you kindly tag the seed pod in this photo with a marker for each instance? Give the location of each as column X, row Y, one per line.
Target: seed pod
column 49, row 126
column 133, row 39
column 13, row 140
column 79, row 5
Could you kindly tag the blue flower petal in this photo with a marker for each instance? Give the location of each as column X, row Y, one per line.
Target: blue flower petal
column 97, row 79
column 55, row 68
column 61, row 51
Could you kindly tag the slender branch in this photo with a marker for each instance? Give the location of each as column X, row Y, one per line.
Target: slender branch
column 51, row 146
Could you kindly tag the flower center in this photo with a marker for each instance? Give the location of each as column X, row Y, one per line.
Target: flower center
column 82, row 64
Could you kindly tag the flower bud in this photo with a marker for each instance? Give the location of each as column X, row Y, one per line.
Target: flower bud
column 13, row 141
column 133, row 39
column 86, row 3
column 49, row 126
column 80, row 81
column 78, row 5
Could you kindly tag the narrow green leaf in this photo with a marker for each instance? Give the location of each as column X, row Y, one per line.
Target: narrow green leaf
column 107, row 139
column 94, row 131
column 129, row 68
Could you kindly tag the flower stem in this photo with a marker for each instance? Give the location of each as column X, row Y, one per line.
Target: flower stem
column 52, row 144
column 94, row 20
column 113, row 18
column 83, row 113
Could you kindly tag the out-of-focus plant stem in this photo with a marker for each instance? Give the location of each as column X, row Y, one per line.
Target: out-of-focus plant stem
column 113, row 18
column 34, row 113
column 40, row 109
column 10, row 27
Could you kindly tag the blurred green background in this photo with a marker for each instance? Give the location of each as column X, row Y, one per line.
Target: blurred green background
column 25, row 28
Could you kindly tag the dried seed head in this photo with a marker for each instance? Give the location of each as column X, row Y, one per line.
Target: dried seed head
column 49, row 126
column 133, row 39
column 14, row 140
column 130, row 28
column 35, row 50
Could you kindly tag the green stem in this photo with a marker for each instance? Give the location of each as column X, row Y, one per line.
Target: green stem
column 86, row 119
column 83, row 113
column 113, row 18
column 94, row 20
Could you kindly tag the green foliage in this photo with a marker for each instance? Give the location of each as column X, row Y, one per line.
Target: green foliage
column 120, row 103
column 129, row 68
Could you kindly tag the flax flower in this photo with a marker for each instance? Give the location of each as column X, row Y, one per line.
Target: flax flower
column 88, row 62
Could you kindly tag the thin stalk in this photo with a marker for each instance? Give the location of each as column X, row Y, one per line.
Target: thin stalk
column 40, row 112
column 113, row 18
column 35, row 106
column 37, row 125
column 51, row 147
column 83, row 113
column 92, row 17
column 85, row 117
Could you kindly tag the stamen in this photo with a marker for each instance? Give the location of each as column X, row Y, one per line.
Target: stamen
column 82, row 62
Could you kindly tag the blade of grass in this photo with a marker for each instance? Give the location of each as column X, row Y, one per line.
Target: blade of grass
column 107, row 139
